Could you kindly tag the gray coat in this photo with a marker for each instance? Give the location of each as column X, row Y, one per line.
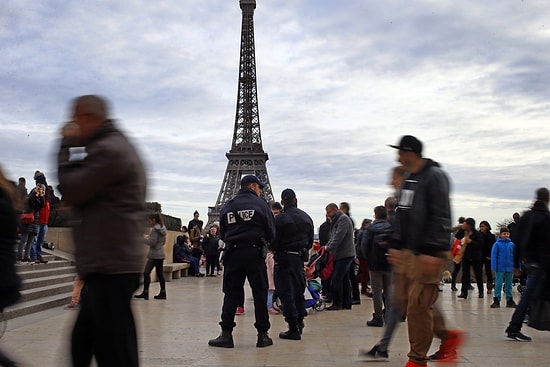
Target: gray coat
column 156, row 242
column 340, row 242
column 104, row 182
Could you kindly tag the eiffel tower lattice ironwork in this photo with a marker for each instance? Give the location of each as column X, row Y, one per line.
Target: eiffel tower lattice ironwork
column 246, row 155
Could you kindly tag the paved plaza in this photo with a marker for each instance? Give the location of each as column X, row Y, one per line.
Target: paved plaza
column 175, row 332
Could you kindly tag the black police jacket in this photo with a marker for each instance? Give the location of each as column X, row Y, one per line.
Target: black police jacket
column 294, row 229
column 246, row 220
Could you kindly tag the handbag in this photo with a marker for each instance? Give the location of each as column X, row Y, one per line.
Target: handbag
column 539, row 315
column 27, row 218
column 539, row 310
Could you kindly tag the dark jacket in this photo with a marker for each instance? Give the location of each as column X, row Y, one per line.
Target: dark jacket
column 294, row 230
column 534, row 236
column 10, row 282
column 33, row 204
column 210, row 245
column 423, row 214
column 324, row 233
column 474, row 249
column 246, row 220
column 488, row 242
column 359, row 250
column 375, row 244
column 181, row 250
column 105, row 185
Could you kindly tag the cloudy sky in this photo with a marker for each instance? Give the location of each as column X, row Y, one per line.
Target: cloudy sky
column 337, row 82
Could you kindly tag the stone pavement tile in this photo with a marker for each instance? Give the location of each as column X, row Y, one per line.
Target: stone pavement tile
column 175, row 332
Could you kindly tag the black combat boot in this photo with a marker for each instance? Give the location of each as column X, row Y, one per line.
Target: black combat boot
column 263, row 340
column 293, row 332
column 144, row 295
column 161, row 295
column 224, row 340
column 496, row 303
column 377, row 321
column 301, row 326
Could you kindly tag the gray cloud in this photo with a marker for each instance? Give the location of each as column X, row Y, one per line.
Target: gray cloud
column 337, row 82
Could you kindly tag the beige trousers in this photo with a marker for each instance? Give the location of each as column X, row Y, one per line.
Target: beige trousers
column 417, row 292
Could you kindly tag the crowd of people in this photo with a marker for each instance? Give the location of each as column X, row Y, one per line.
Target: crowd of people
column 397, row 258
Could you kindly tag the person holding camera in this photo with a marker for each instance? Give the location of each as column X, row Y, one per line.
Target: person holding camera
column 247, row 225
column 294, row 238
column 29, row 227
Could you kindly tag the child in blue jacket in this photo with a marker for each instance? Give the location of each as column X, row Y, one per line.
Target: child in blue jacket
column 502, row 262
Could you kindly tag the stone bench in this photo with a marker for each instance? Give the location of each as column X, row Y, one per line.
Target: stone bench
column 175, row 271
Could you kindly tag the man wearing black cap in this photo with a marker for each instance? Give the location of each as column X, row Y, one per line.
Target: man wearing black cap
column 293, row 240
column 246, row 226
column 420, row 249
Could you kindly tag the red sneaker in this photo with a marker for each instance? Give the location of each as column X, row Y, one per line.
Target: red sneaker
column 448, row 349
column 240, row 311
column 414, row 364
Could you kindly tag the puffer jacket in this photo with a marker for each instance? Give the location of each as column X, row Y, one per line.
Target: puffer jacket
column 502, row 255
column 156, row 242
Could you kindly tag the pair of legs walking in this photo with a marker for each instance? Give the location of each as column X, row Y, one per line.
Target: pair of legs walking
column 416, row 291
column 105, row 327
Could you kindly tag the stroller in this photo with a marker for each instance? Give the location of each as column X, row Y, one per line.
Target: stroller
column 316, row 302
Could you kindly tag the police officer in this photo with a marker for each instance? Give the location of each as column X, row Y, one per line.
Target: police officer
column 292, row 243
column 246, row 226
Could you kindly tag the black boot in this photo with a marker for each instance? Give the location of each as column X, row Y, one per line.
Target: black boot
column 161, row 295
column 377, row 321
column 301, row 326
column 293, row 332
column 496, row 303
column 224, row 340
column 263, row 340
column 144, row 295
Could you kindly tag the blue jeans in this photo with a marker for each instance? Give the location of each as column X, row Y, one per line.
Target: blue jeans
column 341, row 284
column 36, row 248
column 534, row 275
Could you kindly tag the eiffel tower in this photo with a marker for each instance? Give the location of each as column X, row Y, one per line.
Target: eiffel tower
column 246, row 155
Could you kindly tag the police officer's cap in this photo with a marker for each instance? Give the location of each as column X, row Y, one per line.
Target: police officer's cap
column 248, row 179
column 288, row 195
